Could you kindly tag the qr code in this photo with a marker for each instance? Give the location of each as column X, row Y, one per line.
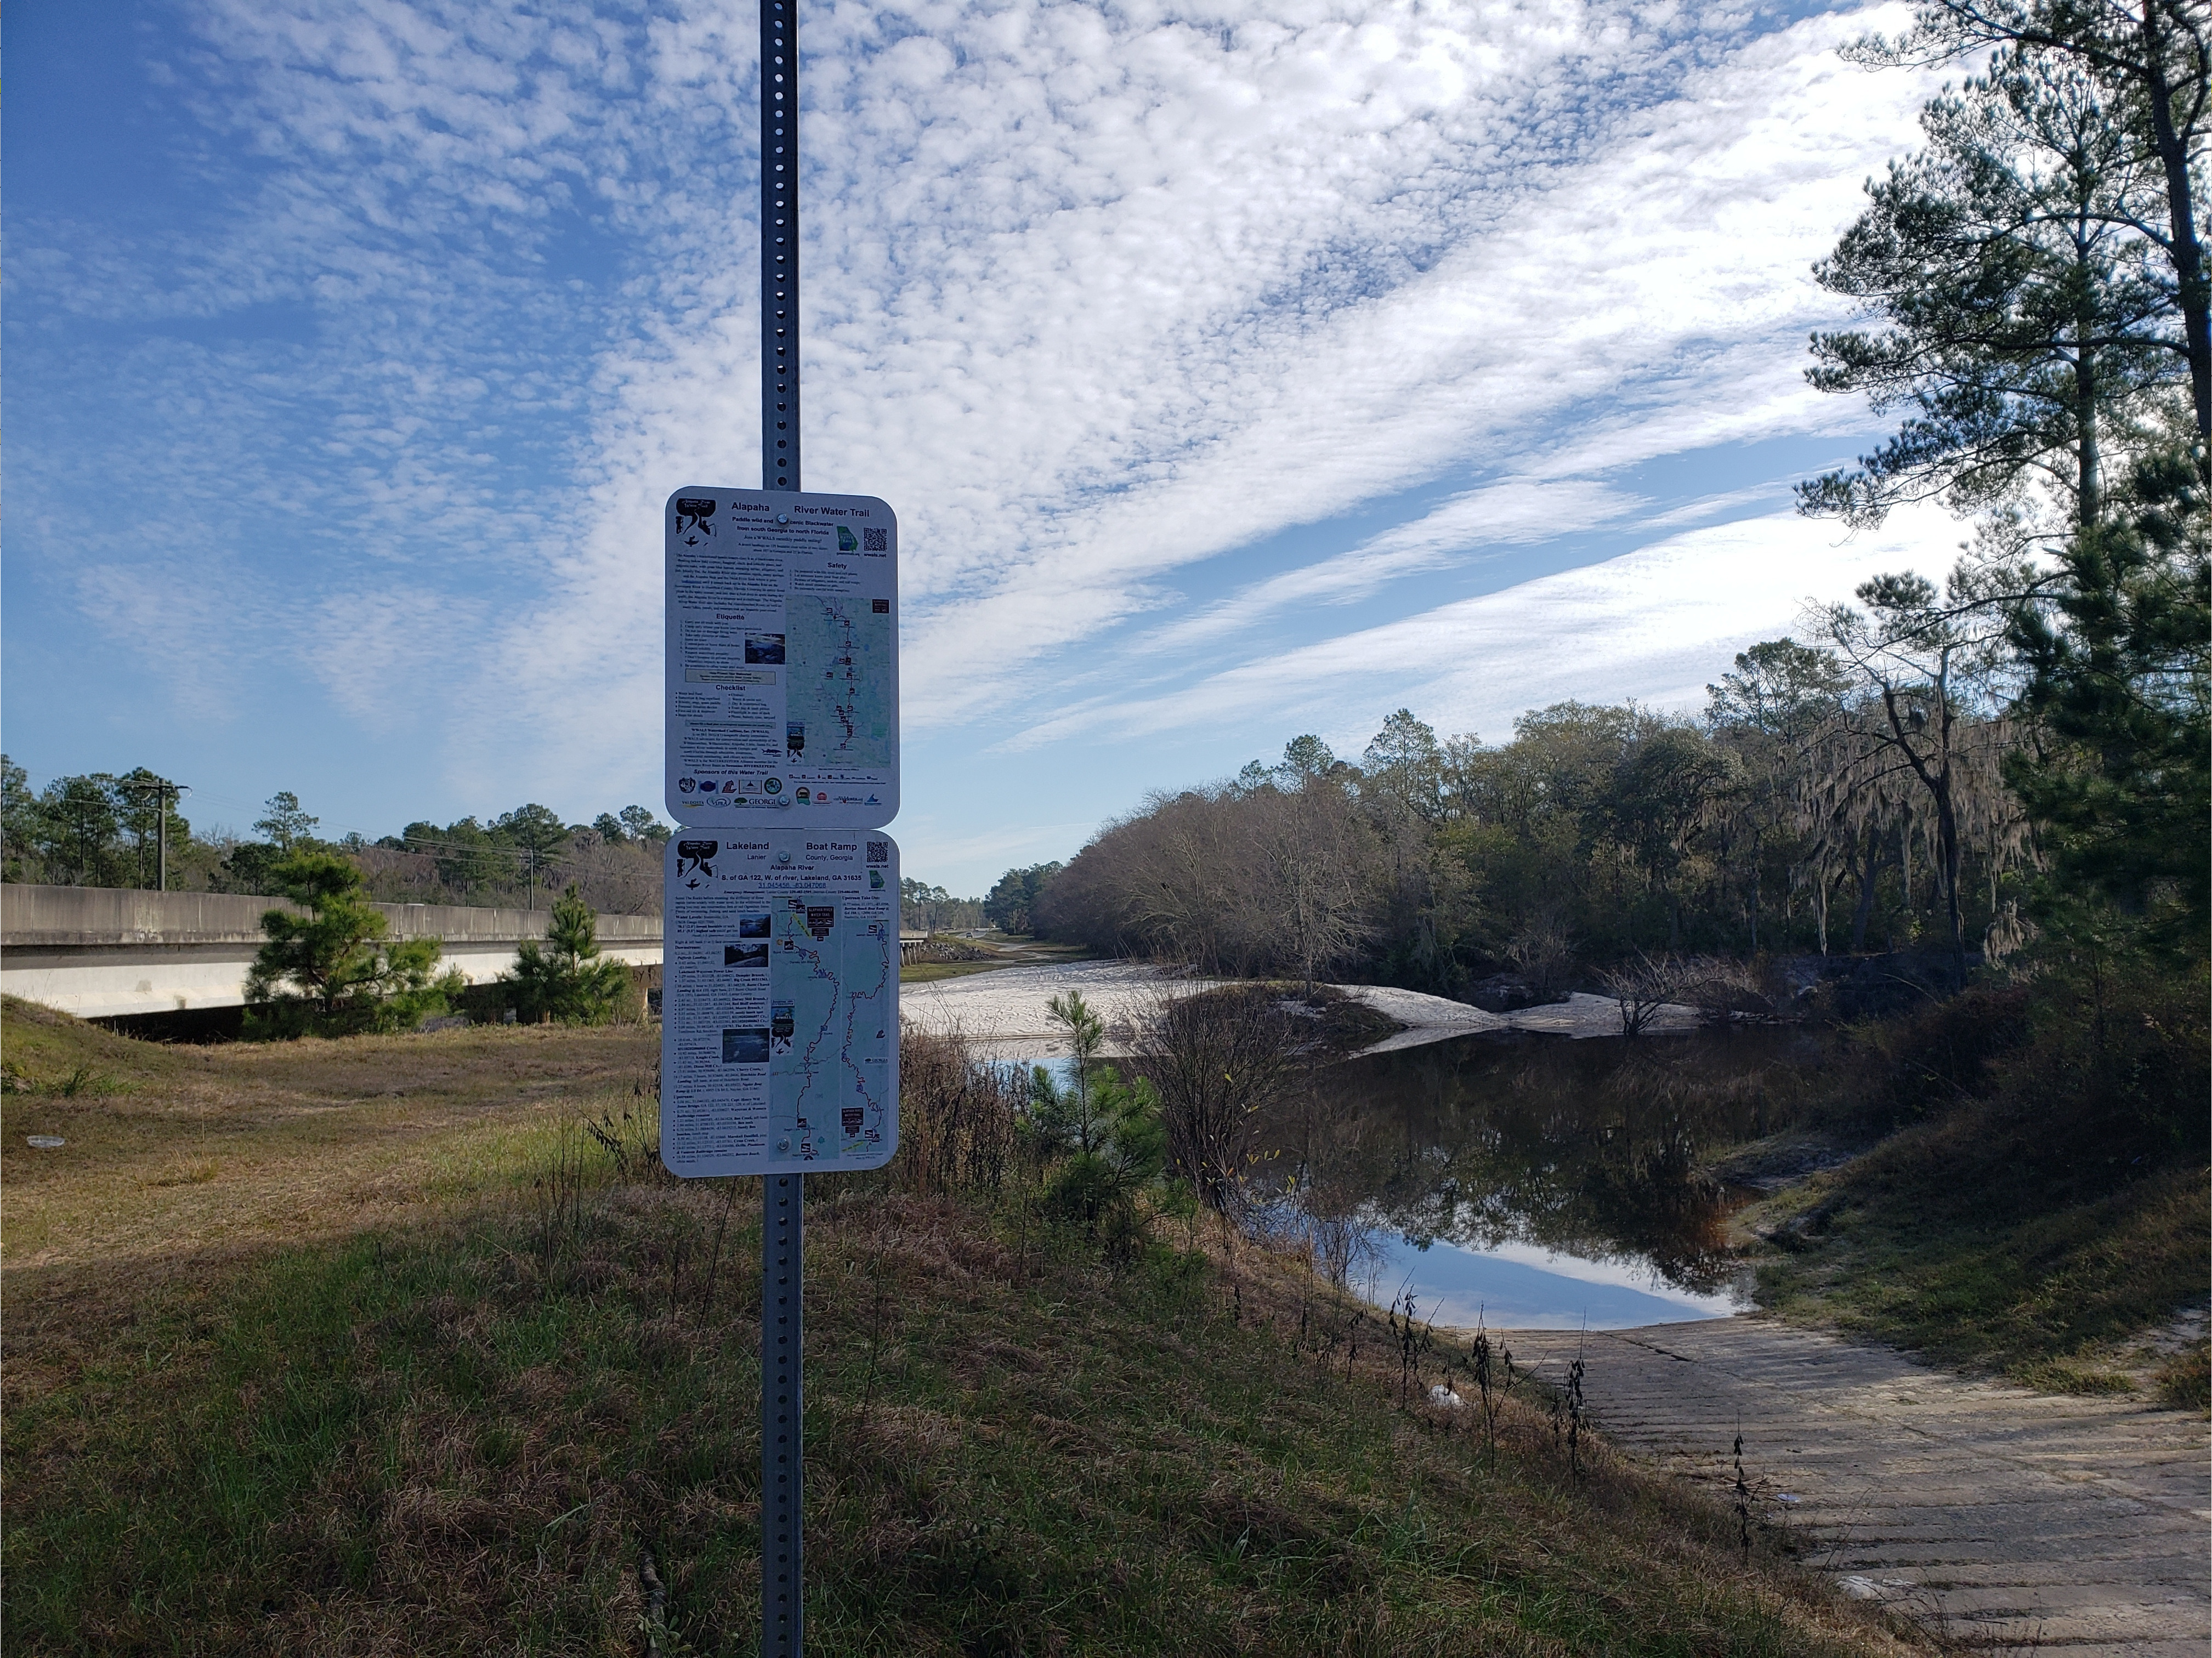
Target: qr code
column 875, row 541
column 879, row 852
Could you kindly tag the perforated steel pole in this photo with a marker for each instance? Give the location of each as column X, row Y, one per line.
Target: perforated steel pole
column 781, row 1343
column 779, row 245
column 782, row 1196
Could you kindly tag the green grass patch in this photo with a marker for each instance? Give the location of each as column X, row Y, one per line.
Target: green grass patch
column 55, row 1055
column 923, row 973
column 466, row 1437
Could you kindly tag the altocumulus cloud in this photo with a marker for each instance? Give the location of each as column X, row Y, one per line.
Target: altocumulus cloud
column 1099, row 296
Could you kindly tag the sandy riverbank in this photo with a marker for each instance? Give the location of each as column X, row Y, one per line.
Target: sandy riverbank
column 1003, row 1013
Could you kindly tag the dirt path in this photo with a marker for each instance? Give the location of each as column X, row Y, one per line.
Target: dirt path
column 2059, row 1524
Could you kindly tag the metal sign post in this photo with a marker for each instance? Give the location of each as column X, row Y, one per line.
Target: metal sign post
column 783, row 1398
column 779, row 27
column 782, row 1402
column 780, row 999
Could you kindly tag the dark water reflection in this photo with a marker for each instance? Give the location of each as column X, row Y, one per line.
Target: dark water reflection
column 1537, row 1182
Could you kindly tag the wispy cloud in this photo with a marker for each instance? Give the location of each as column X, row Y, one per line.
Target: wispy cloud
column 1519, row 510
column 1083, row 348
column 1656, row 625
column 1098, row 295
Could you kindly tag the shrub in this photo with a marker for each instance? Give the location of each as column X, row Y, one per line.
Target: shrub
column 1218, row 1059
column 957, row 1117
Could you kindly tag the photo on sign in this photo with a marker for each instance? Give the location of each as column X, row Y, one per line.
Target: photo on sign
column 752, row 927
column 746, row 1046
column 746, row 955
column 764, row 649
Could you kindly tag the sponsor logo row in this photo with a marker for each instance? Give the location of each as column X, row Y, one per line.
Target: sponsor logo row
column 739, row 792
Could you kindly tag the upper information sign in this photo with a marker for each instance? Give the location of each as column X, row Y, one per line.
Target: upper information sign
column 782, row 617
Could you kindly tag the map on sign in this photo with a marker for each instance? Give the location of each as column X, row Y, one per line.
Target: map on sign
column 837, row 706
column 781, row 612
column 780, row 1002
column 832, row 988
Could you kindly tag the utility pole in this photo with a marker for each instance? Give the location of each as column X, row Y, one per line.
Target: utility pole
column 782, row 1195
column 164, row 791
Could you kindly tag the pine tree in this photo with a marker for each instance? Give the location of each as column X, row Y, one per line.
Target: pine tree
column 563, row 978
column 329, row 972
column 2026, row 321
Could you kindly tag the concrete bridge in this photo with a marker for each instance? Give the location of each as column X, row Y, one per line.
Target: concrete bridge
column 99, row 952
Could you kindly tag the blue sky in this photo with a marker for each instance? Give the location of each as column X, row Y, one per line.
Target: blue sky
column 1236, row 372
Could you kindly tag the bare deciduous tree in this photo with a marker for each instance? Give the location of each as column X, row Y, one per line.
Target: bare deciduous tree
column 1643, row 987
column 1218, row 1059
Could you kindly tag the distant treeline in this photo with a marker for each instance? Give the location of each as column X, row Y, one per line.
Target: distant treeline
column 105, row 829
column 926, row 908
column 1873, row 793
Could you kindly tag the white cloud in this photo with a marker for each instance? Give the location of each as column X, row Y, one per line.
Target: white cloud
column 1657, row 625
column 1517, row 510
column 1097, row 299
column 1095, row 296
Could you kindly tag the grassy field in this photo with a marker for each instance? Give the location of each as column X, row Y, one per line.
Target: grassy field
column 405, row 1362
column 173, row 1150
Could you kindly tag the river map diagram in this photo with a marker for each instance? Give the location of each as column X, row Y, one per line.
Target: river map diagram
column 831, row 1007
column 835, row 692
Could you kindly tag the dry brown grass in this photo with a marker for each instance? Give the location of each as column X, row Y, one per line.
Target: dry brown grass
column 174, row 1150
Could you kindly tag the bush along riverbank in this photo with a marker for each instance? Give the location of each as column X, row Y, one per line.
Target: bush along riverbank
column 2038, row 1208
column 530, row 1424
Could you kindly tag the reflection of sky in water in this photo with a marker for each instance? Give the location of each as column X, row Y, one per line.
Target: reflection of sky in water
column 1520, row 1287
column 1514, row 1286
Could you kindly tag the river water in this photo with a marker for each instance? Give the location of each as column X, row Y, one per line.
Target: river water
column 1529, row 1183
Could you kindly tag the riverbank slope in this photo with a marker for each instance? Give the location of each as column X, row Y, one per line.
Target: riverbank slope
column 459, row 1394
column 2039, row 1206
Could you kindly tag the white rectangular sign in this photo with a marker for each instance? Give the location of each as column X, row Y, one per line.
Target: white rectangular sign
column 779, row 1006
column 782, row 658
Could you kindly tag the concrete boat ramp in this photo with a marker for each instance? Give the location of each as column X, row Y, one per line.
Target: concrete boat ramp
column 2029, row 1522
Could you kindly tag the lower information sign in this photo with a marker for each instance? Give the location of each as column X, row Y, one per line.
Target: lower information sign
column 779, row 1035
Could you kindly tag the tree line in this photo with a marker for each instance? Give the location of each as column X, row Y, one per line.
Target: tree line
column 105, row 829
column 2018, row 753
column 924, row 907
column 108, row 829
